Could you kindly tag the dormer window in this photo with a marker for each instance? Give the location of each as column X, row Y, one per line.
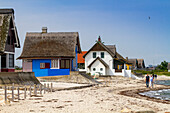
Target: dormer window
column 94, row 54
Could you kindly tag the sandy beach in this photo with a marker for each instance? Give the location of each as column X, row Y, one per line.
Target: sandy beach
column 119, row 94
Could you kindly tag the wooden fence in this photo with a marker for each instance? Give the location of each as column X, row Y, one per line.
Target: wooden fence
column 31, row 91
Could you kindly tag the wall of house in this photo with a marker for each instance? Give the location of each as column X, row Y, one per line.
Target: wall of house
column 36, row 67
column 107, row 58
column 129, row 67
column 47, row 72
column 97, row 65
column 27, row 66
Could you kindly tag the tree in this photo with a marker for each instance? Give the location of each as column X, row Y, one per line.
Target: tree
column 163, row 66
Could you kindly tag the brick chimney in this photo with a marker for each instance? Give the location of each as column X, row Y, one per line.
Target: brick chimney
column 126, row 58
column 44, row 29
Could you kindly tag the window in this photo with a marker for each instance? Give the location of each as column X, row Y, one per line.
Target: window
column 11, row 60
column 126, row 67
column 3, row 61
column 102, row 54
column 130, row 67
column 65, row 64
column 101, row 69
column 54, row 63
column 44, row 65
column 94, row 54
column 94, row 69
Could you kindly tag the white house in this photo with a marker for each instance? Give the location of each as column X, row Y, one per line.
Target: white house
column 105, row 60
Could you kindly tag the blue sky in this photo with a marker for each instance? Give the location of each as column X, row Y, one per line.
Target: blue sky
column 124, row 23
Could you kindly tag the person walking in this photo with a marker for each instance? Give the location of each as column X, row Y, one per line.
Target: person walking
column 151, row 81
column 147, row 80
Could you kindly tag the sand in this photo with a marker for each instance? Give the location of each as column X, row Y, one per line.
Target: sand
column 105, row 98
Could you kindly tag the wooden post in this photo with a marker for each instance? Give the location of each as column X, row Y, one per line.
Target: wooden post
column 35, row 89
column 40, row 89
column 5, row 93
column 30, row 90
column 18, row 93
column 51, row 87
column 25, row 92
column 44, row 87
column 12, row 92
column 48, row 86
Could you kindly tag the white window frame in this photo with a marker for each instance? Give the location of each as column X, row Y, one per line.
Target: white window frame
column 54, row 64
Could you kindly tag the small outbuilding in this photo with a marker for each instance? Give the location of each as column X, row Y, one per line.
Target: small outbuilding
column 50, row 54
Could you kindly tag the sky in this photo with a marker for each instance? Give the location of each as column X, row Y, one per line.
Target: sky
column 124, row 23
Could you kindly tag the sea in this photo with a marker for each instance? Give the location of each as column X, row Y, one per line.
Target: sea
column 163, row 94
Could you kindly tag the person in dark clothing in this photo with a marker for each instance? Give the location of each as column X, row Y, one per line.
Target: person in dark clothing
column 147, row 81
column 153, row 76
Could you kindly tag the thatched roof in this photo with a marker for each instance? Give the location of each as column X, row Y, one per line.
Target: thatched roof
column 102, row 61
column 49, row 45
column 168, row 66
column 134, row 62
column 7, row 18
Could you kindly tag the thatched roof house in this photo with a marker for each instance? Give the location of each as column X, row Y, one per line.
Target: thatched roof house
column 137, row 63
column 50, row 50
column 9, row 40
column 141, row 63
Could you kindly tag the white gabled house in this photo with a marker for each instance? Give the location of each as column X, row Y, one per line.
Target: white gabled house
column 105, row 60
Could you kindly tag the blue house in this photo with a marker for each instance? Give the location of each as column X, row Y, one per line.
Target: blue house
column 50, row 54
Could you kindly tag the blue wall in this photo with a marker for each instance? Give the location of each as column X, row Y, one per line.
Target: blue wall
column 47, row 72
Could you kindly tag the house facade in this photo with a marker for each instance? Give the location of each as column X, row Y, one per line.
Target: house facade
column 105, row 60
column 8, row 40
column 50, row 54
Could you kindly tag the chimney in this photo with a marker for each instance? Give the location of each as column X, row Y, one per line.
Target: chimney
column 99, row 39
column 44, row 29
column 114, row 49
column 126, row 58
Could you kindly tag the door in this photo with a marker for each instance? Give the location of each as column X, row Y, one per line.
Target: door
column 65, row 64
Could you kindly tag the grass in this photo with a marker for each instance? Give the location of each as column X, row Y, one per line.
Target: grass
column 158, row 72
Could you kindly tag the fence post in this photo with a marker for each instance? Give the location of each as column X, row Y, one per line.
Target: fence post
column 5, row 94
column 18, row 93
column 40, row 89
column 30, row 90
column 25, row 92
column 12, row 92
column 44, row 87
column 48, row 87
column 51, row 87
column 35, row 89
